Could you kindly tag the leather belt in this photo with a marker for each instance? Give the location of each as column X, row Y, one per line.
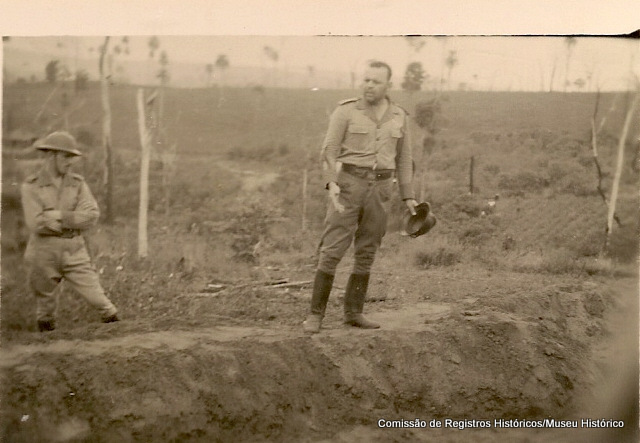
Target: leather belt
column 66, row 233
column 367, row 173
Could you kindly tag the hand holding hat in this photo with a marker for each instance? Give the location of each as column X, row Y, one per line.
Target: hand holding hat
column 422, row 222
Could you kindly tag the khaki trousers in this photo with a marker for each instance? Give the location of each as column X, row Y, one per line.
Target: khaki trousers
column 52, row 259
column 363, row 222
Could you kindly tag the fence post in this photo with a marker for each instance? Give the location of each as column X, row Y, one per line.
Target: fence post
column 471, row 175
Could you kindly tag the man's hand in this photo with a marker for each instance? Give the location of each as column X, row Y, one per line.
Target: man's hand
column 52, row 220
column 334, row 193
column 55, row 215
column 411, row 205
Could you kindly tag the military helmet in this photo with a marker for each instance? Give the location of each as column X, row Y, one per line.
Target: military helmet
column 422, row 222
column 59, row 141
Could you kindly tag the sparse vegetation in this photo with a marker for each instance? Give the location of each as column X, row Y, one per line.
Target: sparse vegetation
column 548, row 208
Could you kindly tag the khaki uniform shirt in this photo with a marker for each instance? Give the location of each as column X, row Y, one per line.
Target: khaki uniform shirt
column 356, row 137
column 72, row 197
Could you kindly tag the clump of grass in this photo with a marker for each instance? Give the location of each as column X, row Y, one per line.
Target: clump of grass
column 559, row 261
column 563, row 261
column 439, row 251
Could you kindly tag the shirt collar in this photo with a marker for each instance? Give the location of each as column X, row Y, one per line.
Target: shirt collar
column 45, row 178
column 362, row 105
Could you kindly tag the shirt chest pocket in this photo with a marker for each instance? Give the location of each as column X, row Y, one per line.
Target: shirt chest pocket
column 357, row 137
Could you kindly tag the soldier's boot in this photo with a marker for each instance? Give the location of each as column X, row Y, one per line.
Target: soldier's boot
column 319, row 297
column 110, row 319
column 46, row 325
column 354, row 302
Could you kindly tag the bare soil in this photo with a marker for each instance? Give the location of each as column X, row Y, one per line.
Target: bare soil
column 457, row 344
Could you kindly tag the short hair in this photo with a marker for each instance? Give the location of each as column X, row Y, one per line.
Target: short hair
column 379, row 64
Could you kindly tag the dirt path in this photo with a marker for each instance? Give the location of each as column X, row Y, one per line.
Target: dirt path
column 251, row 180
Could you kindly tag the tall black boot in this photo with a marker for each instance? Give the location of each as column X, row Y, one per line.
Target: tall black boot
column 354, row 302
column 321, row 290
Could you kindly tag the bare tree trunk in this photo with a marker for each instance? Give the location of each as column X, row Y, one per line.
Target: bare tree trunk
column 106, row 134
column 618, row 174
column 304, row 200
column 594, row 149
column 553, row 73
column 145, row 140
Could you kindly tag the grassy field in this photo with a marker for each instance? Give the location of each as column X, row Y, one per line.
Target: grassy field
column 518, row 313
column 531, row 148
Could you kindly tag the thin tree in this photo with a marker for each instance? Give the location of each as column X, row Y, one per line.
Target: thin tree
column 452, row 62
column 273, row 56
column 415, row 44
column 569, row 42
column 443, row 41
column 106, row 131
column 222, row 63
column 145, row 145
column 616, row 179
column 554, row 65
column 209, row 70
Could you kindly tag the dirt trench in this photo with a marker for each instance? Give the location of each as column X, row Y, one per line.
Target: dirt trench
column 235, row 383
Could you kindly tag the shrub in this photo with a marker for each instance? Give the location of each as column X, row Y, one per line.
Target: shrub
column 492, row 169
column 249, row 226
column 477, row 232
column 439, row 252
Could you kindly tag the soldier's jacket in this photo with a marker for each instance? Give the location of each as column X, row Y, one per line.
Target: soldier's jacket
column 72, row 197
column 356, row 137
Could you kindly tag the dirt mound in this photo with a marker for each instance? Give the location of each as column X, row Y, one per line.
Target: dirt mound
column 237, row 383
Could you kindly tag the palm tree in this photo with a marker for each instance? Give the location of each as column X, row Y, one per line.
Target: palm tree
column 443, row 40
column 452, row 61
column 569, row 42
column 272, row 55
column 222, row 63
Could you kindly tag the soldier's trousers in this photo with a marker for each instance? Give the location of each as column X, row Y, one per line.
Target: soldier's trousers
column 52, row 259
column 363, row 222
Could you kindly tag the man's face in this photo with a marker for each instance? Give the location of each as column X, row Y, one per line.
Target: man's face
column 375, row 85
column 64, row 161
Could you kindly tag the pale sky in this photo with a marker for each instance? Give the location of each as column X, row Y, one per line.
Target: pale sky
column 241, row 28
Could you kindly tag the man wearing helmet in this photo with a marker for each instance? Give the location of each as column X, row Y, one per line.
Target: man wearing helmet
column 369, row 137
column 58, row 206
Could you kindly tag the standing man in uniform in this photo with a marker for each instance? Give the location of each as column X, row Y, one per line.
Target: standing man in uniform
column 369, row 136
column 58, row 206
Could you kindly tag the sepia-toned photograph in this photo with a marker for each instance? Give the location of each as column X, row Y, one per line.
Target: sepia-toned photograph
column 320, row 238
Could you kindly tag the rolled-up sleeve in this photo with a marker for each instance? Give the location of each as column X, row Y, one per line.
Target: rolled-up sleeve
column 333, row 143
column 404, row 164
column 86, row 212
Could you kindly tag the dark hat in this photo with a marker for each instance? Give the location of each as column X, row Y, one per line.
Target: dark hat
column 422, row 222
column 59, row 141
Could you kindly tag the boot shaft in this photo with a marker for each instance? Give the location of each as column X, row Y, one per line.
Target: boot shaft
column 355, row 293
column 321, row 289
